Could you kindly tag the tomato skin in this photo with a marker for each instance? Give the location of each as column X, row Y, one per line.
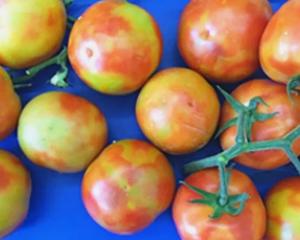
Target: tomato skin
column 280, row 44
column 178, row 110
column 61, row 131
column 283, row 208
column 26, row 31
column 193, row 221
column 115, row 46
column 217, row 38
column 128, row 186
column 287, row 118
column 15, row 191
column 10, row 106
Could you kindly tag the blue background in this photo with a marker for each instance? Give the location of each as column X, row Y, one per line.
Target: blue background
column 56, row 209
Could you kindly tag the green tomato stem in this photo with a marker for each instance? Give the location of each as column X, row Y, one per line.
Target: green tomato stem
column 59, row 79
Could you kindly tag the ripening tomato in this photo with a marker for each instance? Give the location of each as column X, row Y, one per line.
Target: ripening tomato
column 280, row 44
column 10, row 106
column 193, row 222
column 30, row 31
column 220, row 38
column 61, row 131
column 178, row 110
column 128, row 186
column 283, row 210
column 115, row 46
column 286, row 119
column 15, row 190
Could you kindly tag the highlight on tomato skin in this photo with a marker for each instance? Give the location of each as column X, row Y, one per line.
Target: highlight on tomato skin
column 15, row 191
column 287, row 118
column 178, row 110
column 220, row 39
column 61, row 131
column 193, row 220
column 128, row 186
column 10, row 105
column 280, row 44
column 31, row 31
column 283, row 210
column 115, row 46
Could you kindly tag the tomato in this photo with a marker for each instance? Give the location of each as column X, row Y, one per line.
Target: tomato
column 10, row 106
column 15, row 190
column 218, row 38
column 61, row 131
column 280, row 44
column 31, row 31
column 283, row 209
column 115, row 46
column 128, row 186
column 178, row 110
column 287, row 118
column 193, row 221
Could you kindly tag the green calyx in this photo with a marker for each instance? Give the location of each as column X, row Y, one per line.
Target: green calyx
column 222, row 202
column 58, row 79
column 292, row 86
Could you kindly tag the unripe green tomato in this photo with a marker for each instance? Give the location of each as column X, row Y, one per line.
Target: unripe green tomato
column 115, row 46
column 61, row 131
column 10, row 106
column 31, row 31
column 15, row 190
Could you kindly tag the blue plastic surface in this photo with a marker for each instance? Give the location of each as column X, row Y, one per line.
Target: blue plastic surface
column 56, row 209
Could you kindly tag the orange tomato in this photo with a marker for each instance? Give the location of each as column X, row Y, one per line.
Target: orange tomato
column 193, row 221
column 220, row 38
column 280, row 44
column 115, row 46
column 178, row 110
column 128, row 186
column 287, row 118
column 10, row 105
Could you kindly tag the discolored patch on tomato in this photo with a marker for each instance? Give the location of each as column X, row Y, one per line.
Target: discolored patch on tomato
column 5, row 179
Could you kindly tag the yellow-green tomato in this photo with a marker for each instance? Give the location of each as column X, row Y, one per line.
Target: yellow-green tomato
column 30, row 31
column 283, row 209
column 128, row 186
column 115, row 46
column 178, row 110
column 15, row 190
column 61, row 131
column 10, row 105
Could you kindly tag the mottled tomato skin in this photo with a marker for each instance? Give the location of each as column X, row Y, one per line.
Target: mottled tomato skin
column 283, row 210
column 115, row 46
column 178, row 110
column 218, row 38
column 10, row 106
column 61, row 131
column 128, row 186
column 15, row 191
column 193, row 221
column 287, row 118
column 31, row 31
column 280, row 44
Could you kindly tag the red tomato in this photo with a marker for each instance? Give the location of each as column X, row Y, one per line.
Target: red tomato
column 31, row 31
column 178, row 110
column 10, row 106
column 128, row 186
column 283, row 210
column 287, row 118
column 15, row 190
column 220, row 38
column 115, row 46
column 193, row 221
column 62, row 131
column 280, row 44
